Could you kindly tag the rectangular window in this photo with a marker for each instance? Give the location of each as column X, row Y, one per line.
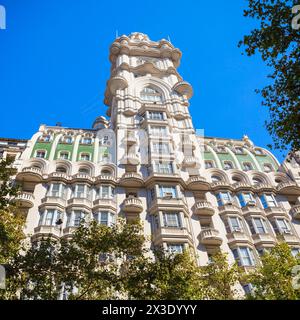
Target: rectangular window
column 223, row 198
column 164, row 167
column 161, row 148
column 283, row 226
column 105, row 192
column 158, row 130
column 168, row 191
column 244, row 256
column 235, row 225
column 40, row 154
column 209, row 164
column 175, row 248
column 55, row 190
column 259, row 225
column 171, row 219
column 245, row 199
column 49, row 220
column 268, row 200
column 78, row 217
column 64, row 155
column 156, row 115
column 80, row 191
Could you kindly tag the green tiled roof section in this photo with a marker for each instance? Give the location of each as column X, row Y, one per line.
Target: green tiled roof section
column 85, row 149
column 42, row 146
column 246, row 158
column 261, row 159
column 64, row 147
column 226, row 157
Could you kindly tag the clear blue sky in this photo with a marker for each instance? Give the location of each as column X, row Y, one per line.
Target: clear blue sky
column 54, row 62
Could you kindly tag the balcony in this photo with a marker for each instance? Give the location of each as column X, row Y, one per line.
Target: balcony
column 190, row 161
column 131, row 179
column 82, row 177
column 25, row 200
column 132, row 205
column 263, row 239
column 217, row 185
column 204, row 208
column 166, row 202
column 188, row 144
column 289, row 238
column 30, row 174
column 59, row 176
column 238, row 237
column 159, row 176
column 289, row 187
column 295, row 211
column 210, row 237
column 171, row 234
column 68, row 231
column 46, row 231
column 242, row 186
column 275, row 212
column 131, row 159
column 105, row 178
column 252, row 210
column 197, row 183
column 229, row 208
column 58, row 201
column 264, row 187
column 105, row 204
column 179, row 115
column 80, row 202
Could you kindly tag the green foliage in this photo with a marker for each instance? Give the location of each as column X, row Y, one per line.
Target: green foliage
column 278, row 45
column 169, row 277
column 273, row 279
column 219, row 278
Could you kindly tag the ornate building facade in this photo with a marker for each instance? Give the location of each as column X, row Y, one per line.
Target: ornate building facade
column 148, row 161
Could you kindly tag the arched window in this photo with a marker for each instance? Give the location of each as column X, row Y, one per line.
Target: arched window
column 257, row 180
column 84, row 170
column 150, row 94
column 216, row 178
column 61, row 169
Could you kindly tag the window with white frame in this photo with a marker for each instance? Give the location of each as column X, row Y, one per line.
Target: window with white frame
column 209, row 164
column 268, row 200
column 56, row 190
column 155, row 115
column 239, row 150
column 105, row 192
column 151, row 95
column 49, row 217
column 86, row 140
column 257, row 225
column 40, row 154
column 247, row 166
column 164, row 167
column 224, row 198
column 85, row 156
column 82, row 191
column 64, row 155
column 246, row 198
column 167, row 191
column 158, row 130
column 267, row 167
column 75, row 218
column 172, row 219
column 281, row 226
column 175, row 247
column 181, row 124
column 235, row 224
column 228, row 165
column 295, row 251
column 161, row 148
column 105, row 218
column 244, row 256
column 67, row 139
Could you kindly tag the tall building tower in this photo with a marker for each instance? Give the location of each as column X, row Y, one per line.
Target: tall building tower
column 148, row 162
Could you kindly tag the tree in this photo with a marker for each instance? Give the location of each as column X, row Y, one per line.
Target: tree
column 88, row 266
column 219, row 278
column 166, row 277
column 273, row 279
column 11, row 223
column 278, row 44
